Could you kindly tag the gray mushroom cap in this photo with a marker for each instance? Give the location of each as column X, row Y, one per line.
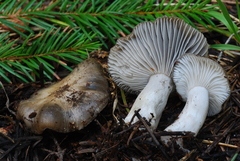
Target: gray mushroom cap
column 153, row 47
column 70, row 104
column 192, row 71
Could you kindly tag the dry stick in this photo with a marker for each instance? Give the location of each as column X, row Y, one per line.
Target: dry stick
column 223, row 148
column 9, row 150
column 87, row 150
column 220, row 138
column 99, row 154
column 134, row 115
column 216, row 118
column 176, row 133
column 187, row 156
column 160, row 147
column 145, row 152
column 7, row 102
column 127, row 129
column 4, row 133
column 135, row 129
column 234, row 84
column 115, row 102
column 17, row 142
column 222, row 123
column 59, row 153
column 232, row 68
column 221, row 144
column 223, row 59
column 236, row 101
column 165, row 133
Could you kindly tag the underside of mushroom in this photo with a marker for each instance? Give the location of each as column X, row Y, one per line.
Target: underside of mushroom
column 70, row 104
column 202, row 83
column 143, row 62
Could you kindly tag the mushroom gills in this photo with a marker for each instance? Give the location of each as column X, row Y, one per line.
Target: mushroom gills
column 70, row 104
column 203, row 84
column 152, row 49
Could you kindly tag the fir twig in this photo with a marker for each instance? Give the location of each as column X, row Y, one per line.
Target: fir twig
column 52, row 45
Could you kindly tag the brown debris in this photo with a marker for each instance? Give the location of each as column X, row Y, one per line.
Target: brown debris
column 106, row 139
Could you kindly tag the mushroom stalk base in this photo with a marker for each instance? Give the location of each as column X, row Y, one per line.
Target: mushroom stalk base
column 152, row 100
column 192, row 116
column 194, row 113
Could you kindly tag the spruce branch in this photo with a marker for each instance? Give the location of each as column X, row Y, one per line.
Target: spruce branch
column 61, row 46
column 41, row 25
column 105, row 18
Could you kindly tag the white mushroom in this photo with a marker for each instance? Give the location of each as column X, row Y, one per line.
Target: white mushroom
column 70, row 104
column 143, row 62
column 202, row 83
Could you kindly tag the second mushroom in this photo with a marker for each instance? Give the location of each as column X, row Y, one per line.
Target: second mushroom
column 143, row 62
column 202, row 83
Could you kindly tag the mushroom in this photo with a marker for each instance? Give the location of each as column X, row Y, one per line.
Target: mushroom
column 143, row 62
column 203, row 84
column 70, row 104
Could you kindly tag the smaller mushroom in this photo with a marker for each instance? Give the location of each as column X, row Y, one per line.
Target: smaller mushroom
column 202, row 83
column 70, row 104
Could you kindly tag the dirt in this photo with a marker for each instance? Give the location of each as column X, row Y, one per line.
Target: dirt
column 109, row 139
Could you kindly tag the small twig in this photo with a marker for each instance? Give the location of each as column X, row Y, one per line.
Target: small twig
column 232, row 69
column 59, row 153
column 122, row 34
column 4, row 133
column 115, row 102
column 176, row 133
column 187, row 156
column 88, row 150
column 234, row 84
column 214, row 57
column 7, row 102
column 147, row 127
column 222, row 123
column 140, row 148
column 106, row 150
column 127, row 129
column 220, row 138
column 135, row 129
column 219, row 116
column 134, row 115
column 160, row 147
column 9, row 150
column 221, row 144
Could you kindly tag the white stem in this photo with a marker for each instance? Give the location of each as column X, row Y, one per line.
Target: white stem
column 152, row 100
column 194, row 113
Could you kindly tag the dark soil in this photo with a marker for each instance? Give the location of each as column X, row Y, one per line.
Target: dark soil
column 109, row 139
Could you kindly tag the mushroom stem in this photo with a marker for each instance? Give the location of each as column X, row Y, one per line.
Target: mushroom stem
column 152, row 99
column 194, row 113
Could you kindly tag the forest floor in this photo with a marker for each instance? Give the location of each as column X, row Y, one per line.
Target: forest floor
column 107, row 138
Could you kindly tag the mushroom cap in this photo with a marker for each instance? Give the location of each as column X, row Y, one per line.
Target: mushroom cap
column 70, row 104
column 191, row 71
column 152, row 48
